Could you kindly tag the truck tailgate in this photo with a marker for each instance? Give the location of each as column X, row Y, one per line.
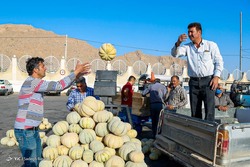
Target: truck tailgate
column 194, row 134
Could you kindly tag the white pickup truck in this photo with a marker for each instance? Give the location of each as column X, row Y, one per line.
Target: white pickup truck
column 199, row 143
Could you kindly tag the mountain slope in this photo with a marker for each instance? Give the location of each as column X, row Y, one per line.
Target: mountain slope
column 22, row 40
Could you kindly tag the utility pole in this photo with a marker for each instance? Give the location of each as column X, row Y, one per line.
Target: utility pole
column 240, row 41
column 66, row 47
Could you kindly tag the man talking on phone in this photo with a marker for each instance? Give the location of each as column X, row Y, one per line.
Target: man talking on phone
column 176, row 96
column 204, row 69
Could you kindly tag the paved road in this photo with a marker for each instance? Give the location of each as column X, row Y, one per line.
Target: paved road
column 55, row 110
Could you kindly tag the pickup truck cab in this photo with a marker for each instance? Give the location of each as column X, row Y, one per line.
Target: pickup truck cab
column 200, row 143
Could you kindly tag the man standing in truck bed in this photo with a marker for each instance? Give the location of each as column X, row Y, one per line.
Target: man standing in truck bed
column 204, row 69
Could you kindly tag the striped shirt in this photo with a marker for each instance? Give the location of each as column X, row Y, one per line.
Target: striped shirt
column 177, row 97
column 76, row 96
column 30, row 100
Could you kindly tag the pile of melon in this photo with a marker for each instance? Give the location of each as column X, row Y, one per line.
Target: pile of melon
column 149, row 149
column 10, row 138
column 92, row 137
column 45, row 124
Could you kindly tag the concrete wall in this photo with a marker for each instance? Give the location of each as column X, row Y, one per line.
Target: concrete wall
column 17, row 77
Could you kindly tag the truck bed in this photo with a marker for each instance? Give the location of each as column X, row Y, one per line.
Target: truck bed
column 196, row 142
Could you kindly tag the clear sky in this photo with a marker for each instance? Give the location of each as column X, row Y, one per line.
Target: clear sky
column 147, row 25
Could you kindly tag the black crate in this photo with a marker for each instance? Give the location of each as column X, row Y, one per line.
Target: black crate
column 106, row 75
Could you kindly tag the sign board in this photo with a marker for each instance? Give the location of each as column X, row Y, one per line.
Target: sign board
column 62, row 72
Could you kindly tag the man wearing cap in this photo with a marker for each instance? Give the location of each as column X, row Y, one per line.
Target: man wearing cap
column 79, row 94
column 222, row 100
column 205, row 65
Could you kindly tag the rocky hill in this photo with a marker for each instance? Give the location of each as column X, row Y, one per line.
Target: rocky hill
column 22, row 40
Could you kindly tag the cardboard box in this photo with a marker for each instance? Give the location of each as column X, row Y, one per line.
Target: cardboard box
column 140, row 105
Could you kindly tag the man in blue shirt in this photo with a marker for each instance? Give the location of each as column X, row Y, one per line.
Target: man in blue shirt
column 204, row 69
column 79, row 94
column 157, row 93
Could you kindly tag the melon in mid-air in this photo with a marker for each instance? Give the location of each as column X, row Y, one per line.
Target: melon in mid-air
column 107, row 52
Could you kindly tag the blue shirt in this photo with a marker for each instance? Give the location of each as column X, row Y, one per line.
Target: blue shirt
column 157, row 92
column 76, row 96
column 203, row 61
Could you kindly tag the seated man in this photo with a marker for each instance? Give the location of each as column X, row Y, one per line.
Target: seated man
column 176, row 96
column 79, row 94
column 222, row 100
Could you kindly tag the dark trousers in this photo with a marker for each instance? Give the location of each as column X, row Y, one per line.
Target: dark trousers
column 155, row 109
column 200, row 90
